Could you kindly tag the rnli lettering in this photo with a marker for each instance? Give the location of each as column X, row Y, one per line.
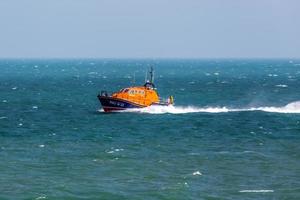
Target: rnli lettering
column 115, row 103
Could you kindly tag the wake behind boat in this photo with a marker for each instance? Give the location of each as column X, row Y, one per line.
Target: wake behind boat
column 133, row 97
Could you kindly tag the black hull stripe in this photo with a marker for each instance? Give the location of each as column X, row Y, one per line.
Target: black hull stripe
column 114, row 108
column 121, row 100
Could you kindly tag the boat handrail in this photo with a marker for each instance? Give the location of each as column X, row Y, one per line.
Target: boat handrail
column 104, row 93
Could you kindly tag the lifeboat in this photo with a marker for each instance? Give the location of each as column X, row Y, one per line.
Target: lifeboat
column 134, row 97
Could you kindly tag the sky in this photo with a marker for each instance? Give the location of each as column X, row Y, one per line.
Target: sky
column 149, row 29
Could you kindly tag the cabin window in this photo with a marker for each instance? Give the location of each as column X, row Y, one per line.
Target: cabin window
column 125, row 90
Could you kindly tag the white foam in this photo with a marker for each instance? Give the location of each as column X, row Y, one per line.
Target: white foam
column 293, row 107
column 41, row 197
column 197, row 173
column 114, row 150
column 119, row 150
column 256, row 191
column 281, row 85
column 272, row 75
column 176, row 109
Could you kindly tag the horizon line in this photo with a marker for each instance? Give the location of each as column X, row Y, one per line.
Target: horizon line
column 144, row 58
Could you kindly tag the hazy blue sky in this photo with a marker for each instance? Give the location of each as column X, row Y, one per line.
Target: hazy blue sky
column 152, row 28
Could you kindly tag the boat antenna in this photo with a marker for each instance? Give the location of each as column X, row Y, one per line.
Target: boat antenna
column 133, row 77
column 146, row 76
column 151, row 72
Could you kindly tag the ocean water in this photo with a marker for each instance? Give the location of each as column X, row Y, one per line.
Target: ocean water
column 233, row 133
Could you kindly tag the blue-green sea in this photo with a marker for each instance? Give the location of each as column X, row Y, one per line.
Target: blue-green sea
column 233, row 133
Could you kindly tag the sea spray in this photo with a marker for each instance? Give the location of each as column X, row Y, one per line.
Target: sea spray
column 293, row 107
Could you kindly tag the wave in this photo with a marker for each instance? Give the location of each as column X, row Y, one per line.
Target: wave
column 256, row 191
column 293, row 107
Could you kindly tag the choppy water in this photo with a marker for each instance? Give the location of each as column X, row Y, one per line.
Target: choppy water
column 234, row 132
